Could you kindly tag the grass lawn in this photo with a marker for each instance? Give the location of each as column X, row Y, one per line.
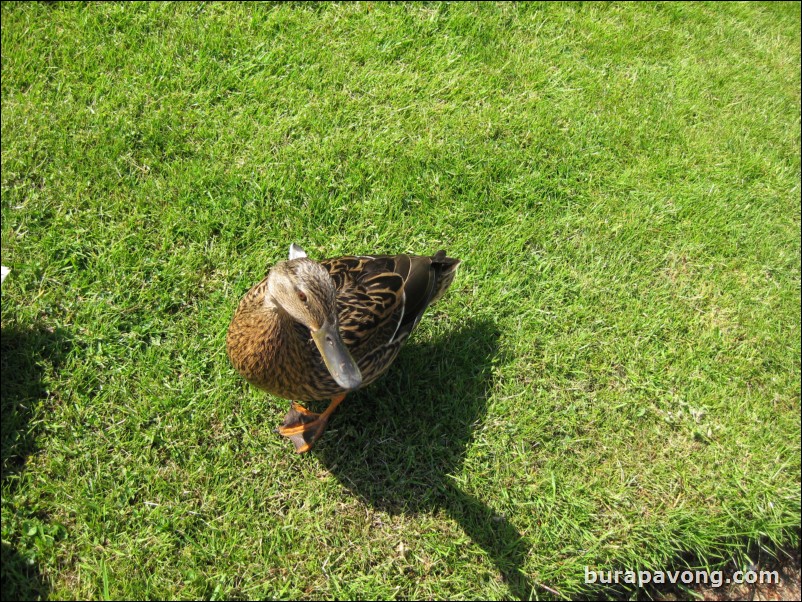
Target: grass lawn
column 612, row 381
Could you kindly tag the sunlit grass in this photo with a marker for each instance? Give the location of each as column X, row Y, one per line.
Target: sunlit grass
column 612, row 381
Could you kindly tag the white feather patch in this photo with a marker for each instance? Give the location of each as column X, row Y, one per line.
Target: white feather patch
column 296, row 251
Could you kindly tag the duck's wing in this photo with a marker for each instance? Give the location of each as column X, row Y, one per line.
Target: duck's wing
column 382, row 298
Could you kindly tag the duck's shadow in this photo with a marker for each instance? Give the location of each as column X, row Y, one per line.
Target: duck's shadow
column 395, row 444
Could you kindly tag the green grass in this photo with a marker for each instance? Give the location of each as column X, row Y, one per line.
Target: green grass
column 613, row 380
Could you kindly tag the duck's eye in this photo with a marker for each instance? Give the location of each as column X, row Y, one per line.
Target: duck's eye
column 302, row 296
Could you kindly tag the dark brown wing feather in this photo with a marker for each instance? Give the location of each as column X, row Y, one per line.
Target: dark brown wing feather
column 381, row 299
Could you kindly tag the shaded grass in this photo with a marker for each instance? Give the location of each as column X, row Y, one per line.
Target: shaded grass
column 613, row 380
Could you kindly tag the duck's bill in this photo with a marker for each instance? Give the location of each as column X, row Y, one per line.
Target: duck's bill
column 341, row 365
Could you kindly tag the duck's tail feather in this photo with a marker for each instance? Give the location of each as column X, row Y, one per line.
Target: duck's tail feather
column 445, row 270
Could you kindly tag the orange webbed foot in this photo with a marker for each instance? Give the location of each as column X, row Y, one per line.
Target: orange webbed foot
column 303, row 427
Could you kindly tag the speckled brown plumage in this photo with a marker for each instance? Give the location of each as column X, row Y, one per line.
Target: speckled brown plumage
column 379, row 301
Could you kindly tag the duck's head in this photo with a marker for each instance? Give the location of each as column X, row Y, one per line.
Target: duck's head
column 304, row 290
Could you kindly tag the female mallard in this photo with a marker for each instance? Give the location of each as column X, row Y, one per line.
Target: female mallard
column 319, row 330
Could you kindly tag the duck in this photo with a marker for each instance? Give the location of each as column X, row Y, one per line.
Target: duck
column 319, row 330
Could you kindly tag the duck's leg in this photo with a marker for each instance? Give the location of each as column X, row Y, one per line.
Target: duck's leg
column 303, row 427
column 297, row 416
